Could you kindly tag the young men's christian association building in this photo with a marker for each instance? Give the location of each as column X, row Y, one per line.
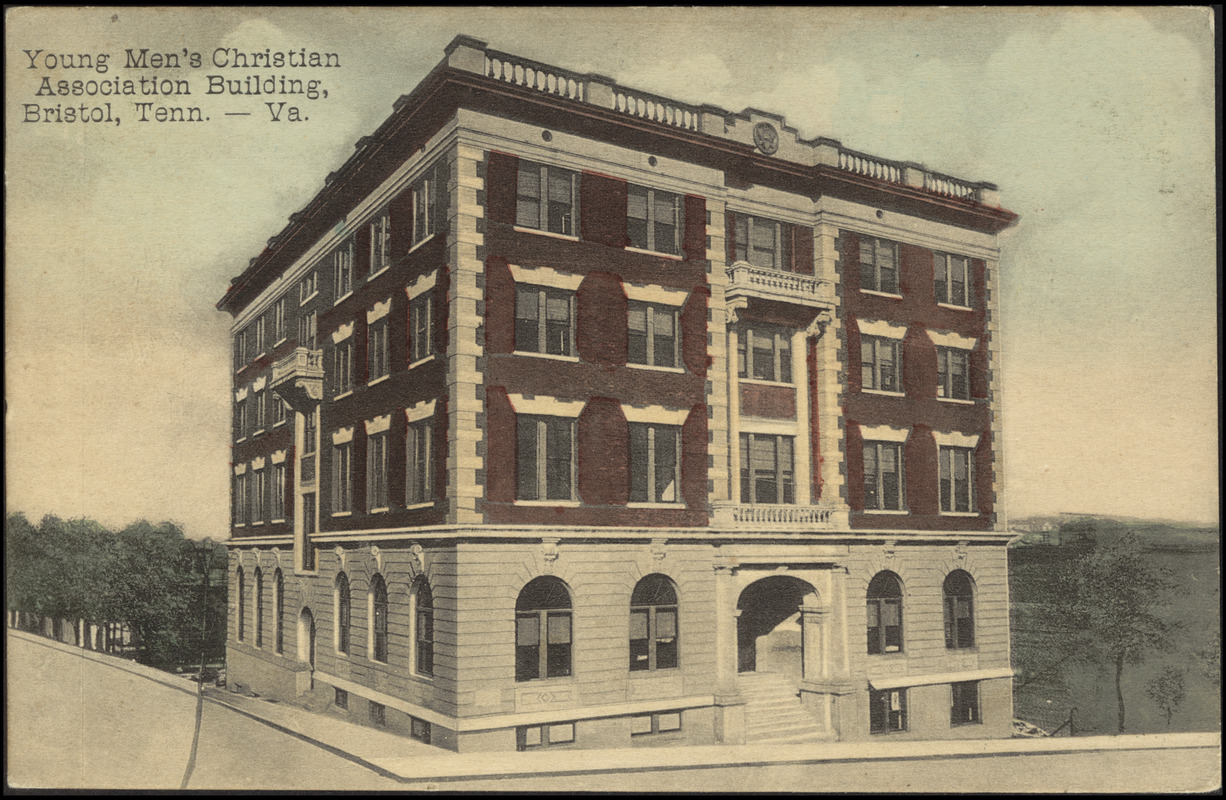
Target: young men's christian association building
column 567, row 415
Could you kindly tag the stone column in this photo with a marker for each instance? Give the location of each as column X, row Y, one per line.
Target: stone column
column 734, row 416
column 729, row 708
column 803, row 451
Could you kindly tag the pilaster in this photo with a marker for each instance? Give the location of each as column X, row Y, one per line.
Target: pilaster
column 831, row 367
column 718, row 438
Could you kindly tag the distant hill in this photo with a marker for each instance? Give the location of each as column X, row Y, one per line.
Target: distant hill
column 1156, row 534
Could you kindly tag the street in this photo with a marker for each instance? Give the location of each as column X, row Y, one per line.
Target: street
column 77, row 724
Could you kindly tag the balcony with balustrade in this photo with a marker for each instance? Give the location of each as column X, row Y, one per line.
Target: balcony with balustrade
column 748, row 281
column 299, row 378
column 749, row 517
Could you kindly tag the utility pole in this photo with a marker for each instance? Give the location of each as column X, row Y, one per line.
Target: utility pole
column 204, row 558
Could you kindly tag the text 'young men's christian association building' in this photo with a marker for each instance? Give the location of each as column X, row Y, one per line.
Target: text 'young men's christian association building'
column 569, row 415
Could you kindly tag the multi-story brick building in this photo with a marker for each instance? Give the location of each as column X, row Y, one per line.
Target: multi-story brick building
column 612, row 421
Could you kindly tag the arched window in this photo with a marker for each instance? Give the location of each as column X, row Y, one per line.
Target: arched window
column 378, row 618
column 342, row 604
column 885, row 613
column 542, row 630
column 241, row 587
column 278, row 607
column 423, row 628
column 653, row 624
column 258, row 589
column 959, row 610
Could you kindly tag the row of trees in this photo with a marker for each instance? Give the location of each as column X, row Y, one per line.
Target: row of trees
column 151, row 578
column 1101, row 600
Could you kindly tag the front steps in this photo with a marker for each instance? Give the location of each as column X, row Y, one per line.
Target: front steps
column 773, row 712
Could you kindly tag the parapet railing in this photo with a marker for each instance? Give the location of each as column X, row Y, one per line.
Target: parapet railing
column 604, row 92
column 749, row 516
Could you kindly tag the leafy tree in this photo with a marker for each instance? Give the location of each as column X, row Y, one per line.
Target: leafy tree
column 1168, row 691
column 1211, row 659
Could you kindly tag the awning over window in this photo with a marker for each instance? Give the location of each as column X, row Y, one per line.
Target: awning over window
column 898, row 682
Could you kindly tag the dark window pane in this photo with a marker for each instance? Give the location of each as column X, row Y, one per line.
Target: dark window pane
column 526, row 458
column 638, row 464
column 527, row 314
column 637, row 321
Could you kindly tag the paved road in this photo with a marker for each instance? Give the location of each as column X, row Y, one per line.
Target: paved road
column 77, row 724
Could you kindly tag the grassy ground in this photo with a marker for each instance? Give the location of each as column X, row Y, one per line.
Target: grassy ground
column 1192, row 558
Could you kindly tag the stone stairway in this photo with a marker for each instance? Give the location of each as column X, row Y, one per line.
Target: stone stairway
column 773, row 712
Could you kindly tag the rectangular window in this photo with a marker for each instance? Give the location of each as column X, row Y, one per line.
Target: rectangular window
column 880, row 364
column 762, row 242
column 378, row 714
column 965, row 706
column 535, row 736
column 381, row 243
column 342, row 269
column 378, row 361
column 240, row 419
column 878, row 265
column 953, row 280
column 429, row 203
column 261, row 410
column 419, row 472
column 655, row 463
column 545, row 458
column 653, row 335
column 376, row 472
column 239, row 502
column 766, row 469
column 342, row 478
column 957, row 484
column 308, row 526
column 308, row 286
column 258, row 496
column 764, row 352
column 887, row 710
column 544, row 321
column 307, row 462
column 547, row 199
column 278, row 492
column 306, row 331
column 883, row 476
column 419, row 729
column 240, row 350
column 653, row 220
column 342, row 367
column 421, row 328
column 341, row 698
column 278, row 321
column 258, row 341
column 953, row 367
column 663, row 722
column 279, row 409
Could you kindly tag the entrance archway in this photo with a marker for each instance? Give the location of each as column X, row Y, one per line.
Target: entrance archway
column 769, row 632
column 306, row 640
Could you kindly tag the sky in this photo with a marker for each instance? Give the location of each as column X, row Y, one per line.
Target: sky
column 1097, row 124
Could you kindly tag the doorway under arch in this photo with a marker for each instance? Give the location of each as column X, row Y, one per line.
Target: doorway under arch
column 306, row 639
column 769, row 633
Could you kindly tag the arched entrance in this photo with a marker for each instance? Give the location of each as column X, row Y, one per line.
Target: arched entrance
column 769, row 632
column 306, row 640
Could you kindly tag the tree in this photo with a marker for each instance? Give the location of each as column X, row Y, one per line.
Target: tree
column 1119, row 598
column 1211, row 659
column 1167, row 690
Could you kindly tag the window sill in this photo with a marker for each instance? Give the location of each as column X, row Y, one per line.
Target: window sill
column 254, row 524
column 379, row 379
column 959, row 513
column 764, row 382
column 550, row 356
column 886, row 511
column 422, row 242
column 342, row 395
column 882, row 393
column 415, row 506
column 343, row 297
column 280, row 342
column 644, row 251
column 957, row 401
column 240, row 439
column 303, row 301
column 566, row 237
column 342, row 513
column 548, row 503
column 256, row 433
column 382, row 510
column 876, row 293
column 954, row 307
column 240, row 524
column 655, row 505
column 379, row 272
column 421, row 361
column 677, row 370
column 278, row 424
column 275, row 521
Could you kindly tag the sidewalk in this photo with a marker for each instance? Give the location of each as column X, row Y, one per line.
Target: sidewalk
column 1028, row 764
